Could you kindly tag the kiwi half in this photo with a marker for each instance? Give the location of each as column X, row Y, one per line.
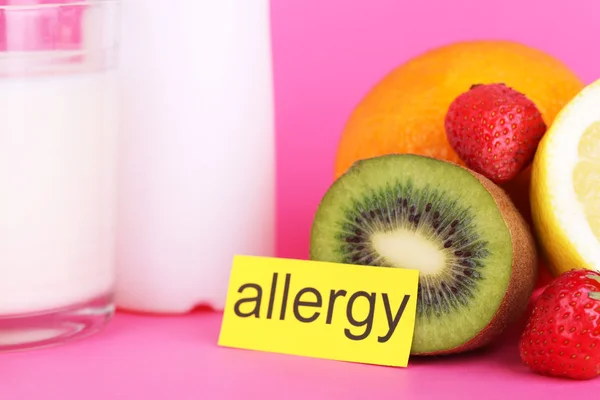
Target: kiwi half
column 475, row 253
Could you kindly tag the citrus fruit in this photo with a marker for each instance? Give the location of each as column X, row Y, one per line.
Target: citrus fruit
column 404, row 112
column 565, row 186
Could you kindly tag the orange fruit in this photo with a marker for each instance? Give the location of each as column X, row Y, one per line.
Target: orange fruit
column 404, row 112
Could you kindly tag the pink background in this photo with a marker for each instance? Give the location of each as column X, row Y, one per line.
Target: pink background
column 327, row 54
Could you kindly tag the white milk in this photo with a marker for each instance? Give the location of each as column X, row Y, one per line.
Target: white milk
column 57, row 138
column 197, row 173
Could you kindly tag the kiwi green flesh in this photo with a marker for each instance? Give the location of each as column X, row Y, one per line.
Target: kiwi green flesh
column 410, row 211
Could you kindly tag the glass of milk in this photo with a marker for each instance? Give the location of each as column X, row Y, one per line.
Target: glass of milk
column 58, row 135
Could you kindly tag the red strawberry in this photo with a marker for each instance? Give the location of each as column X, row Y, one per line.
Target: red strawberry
column 562, row 336
column 495, row 130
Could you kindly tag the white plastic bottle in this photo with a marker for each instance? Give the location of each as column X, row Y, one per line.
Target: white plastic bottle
column 197, row 169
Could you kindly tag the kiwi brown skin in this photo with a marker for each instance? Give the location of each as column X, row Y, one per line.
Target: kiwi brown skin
column 518, row 191
column 522, row 279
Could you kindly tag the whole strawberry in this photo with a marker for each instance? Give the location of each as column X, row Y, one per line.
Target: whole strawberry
column 562, row 336
column 495, row 130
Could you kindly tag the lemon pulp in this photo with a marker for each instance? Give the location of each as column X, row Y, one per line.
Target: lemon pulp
column 586, row 176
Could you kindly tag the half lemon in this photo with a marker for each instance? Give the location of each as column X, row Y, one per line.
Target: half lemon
column 565, row 185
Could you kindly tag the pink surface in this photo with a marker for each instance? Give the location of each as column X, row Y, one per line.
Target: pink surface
column 149, row 358
column 327, row 55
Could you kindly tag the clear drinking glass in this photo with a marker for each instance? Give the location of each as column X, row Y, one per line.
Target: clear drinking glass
column 58, row 145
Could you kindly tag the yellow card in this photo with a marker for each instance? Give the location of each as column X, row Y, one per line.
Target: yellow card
column 319, row 309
